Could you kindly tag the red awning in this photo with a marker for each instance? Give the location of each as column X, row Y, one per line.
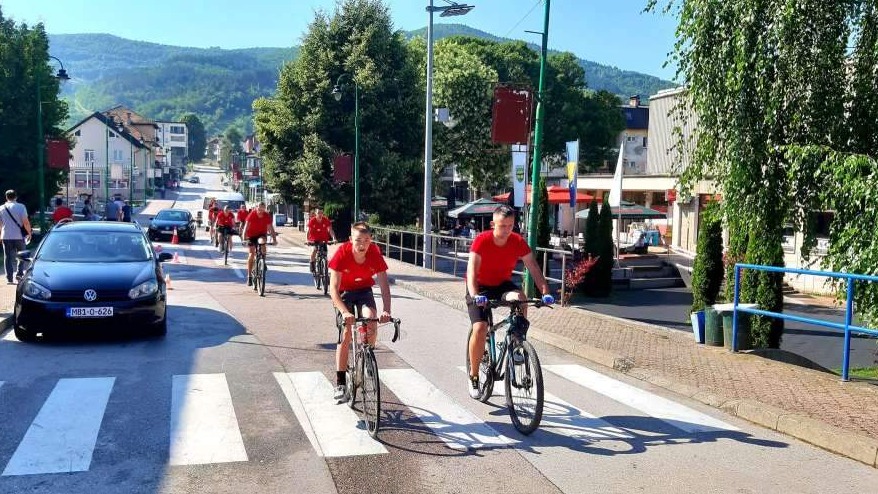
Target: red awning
column 557, row 195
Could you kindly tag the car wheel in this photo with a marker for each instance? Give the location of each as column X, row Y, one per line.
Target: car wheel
column 23, row 334
column 159, row 329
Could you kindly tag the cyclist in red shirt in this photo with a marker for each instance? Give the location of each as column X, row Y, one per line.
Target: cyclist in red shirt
column 493, row 256
column 225, row 223
column 212, row 211
column 241, row 218
column 258, row 225
column 351, row 271
column 319, row 230
column 61, row 211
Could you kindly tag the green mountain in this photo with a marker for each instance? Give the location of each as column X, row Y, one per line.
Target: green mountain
column 598, row 76
column 165, row 82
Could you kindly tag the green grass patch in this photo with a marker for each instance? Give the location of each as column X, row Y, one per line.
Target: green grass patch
column 861, row 372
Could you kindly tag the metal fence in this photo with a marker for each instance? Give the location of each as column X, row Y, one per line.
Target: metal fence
column 450, row 254
column 847, row 327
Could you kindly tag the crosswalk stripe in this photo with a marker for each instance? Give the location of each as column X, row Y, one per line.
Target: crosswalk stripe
column 9, row 336
column 568, row 420
column 63, row 435
column 204, row 428
column 333, row 428
column 678, row 415
column 565, row 419
column 456, row 426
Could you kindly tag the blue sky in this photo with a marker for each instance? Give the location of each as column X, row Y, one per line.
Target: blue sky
column 612, row 32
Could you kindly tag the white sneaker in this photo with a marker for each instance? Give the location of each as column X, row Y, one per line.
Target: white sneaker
column 341, row 392
column 518, row 356
column 474, row 388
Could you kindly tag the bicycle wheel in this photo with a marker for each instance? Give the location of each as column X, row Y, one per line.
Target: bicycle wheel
column 254, row 275
column 324, row 274
column 371, row 395
column 354, row 374
column 261, row 268
column 225, row 250
column 486, row 371
column 316, row 274
column 524, row 387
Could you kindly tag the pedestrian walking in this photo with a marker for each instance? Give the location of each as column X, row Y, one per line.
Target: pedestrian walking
column 15, row 232
column 86, row 210
column 126, row 212
column 112, row 210
column 61, row 211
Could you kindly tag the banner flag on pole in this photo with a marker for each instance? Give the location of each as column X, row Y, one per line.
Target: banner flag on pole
column 572, row 169
column 519, row 172
column 615, row 199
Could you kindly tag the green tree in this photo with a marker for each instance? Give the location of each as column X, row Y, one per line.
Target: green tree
column 302, row 127
column 592, row 230
column 197, row 136
column 766, row 79
column 24, row 64
column 602, row 282
column 707, row 272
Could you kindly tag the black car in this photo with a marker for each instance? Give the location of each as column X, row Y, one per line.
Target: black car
column 193, row 180
column 91, row 274
column 163, row 225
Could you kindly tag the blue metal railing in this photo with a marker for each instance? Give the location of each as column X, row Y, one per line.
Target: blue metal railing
column 847, row 327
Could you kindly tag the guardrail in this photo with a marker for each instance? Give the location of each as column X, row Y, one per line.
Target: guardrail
column 412, row 243
column 847, row 327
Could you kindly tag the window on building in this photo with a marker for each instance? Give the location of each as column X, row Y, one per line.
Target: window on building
column 631, row 138
column 644, row 142
column 177, row 129
column 77, row 133
column 118, row 155
column 89, row 157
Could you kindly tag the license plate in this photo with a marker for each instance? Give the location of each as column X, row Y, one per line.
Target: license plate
column 89, row 312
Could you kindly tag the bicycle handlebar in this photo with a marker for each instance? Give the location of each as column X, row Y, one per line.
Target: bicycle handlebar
column 517, row 303
column 312, row 244
column 363, row 320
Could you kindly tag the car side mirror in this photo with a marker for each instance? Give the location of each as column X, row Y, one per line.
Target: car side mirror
column 24, row 255
column 165, row 256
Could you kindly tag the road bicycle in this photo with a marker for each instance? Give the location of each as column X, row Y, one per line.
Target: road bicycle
column 259, row 268
column 321, row 266
column 514, row 361
column 362, row 370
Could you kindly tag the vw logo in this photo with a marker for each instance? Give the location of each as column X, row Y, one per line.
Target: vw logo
column 90, row 295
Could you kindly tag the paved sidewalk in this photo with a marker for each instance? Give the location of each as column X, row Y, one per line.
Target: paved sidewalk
column 813, row 406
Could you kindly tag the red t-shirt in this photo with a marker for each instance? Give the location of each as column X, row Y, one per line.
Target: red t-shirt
column 242, row 215
column 225, row 219
column 257, row 225
column 357, row 276
column 212, row 212
column 497, row 262
column 60, row 213
column 318, row 229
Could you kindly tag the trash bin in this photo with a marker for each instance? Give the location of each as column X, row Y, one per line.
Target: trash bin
column 743, row 331
column 697, row 319
column 280, row 219
column 713, row 332
column 725, row 311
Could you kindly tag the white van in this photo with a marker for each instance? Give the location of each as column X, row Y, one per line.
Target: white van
column 234, row 199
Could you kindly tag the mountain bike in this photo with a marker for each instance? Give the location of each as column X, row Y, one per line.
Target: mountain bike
column 514, row 361
column 321, row 267
column 259, row 268
column 362, row 369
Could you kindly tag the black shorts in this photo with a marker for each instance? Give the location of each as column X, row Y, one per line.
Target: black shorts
column 355, row 300
column 254, row 241
column 483, row 314
column 227, row 230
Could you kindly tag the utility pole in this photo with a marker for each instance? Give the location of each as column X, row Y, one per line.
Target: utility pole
column 537, row 150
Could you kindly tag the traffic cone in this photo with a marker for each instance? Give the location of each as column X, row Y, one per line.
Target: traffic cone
column 168, row 281
column 176, row 257
column 176, row 238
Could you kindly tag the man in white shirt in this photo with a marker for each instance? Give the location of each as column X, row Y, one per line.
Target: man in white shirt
column 13, row 218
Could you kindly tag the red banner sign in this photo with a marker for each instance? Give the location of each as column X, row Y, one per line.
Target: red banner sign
column 58, row 151
column 511, row 115
column 343, row 168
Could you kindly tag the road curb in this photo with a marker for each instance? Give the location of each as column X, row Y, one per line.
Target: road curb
column 5, row 322
column 836, row 440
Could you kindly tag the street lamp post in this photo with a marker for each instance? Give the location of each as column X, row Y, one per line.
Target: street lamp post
column 41, row 143
column 336, row 93
column 453, row 9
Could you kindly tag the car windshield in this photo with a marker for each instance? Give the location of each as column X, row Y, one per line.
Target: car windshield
column 61, row 246
column 172, row 216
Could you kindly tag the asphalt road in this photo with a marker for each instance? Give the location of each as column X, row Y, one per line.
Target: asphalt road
column 236, row 399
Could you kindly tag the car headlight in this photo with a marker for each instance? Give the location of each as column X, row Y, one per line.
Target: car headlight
column 143, row 290
column 36, row 291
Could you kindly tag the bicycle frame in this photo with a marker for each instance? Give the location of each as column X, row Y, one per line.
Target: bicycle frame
column 516, row 325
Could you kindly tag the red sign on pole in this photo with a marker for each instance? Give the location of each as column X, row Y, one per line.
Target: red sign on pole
column 343, row 168
column 671, row 195
column 58, row 152
column 511, row 115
